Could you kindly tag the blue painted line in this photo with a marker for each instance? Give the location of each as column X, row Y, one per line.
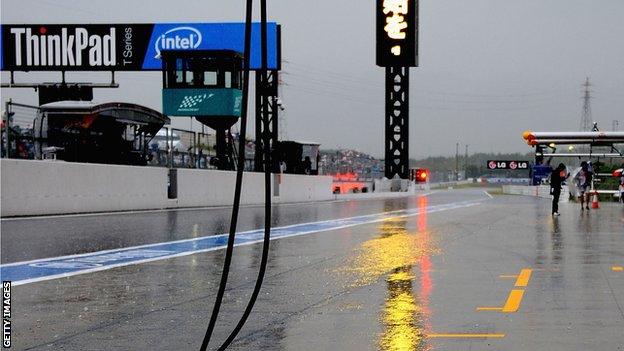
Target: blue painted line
column 65, row 266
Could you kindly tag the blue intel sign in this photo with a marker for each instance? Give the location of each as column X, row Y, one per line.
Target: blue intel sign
column 213, row 36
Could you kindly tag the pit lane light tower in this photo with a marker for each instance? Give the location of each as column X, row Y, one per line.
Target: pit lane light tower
column 397, row 51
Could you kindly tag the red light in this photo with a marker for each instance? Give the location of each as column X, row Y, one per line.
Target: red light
column 420, row 174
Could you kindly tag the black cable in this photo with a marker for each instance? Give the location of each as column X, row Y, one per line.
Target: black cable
column 239, row 181
column 267, row 186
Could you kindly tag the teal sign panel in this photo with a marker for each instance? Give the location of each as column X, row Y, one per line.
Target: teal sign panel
column 202, row 102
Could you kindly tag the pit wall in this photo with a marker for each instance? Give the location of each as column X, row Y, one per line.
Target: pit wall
column 30, row 188
column 537, row 191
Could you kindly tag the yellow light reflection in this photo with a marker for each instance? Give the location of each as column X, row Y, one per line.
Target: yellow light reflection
column 393, row 249
column 401, row 333
column 403, row 258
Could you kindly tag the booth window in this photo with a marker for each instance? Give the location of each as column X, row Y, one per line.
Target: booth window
column 189, row 77
column 228, row 79
column 210, row 78
column 179, row 71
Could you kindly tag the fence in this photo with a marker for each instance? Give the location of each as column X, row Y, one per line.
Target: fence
column 170, row 147
column 17, row 130
column 179, row 148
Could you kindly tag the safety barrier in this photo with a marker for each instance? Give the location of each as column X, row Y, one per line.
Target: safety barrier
column 32, row 187
column 537, row 191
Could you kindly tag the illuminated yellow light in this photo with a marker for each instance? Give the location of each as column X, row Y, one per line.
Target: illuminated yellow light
column 396, row 50
column 552, row 145
column 395, row 24
column 394, row 27
column 526, row 135
column 571, row 147
column 395, row 6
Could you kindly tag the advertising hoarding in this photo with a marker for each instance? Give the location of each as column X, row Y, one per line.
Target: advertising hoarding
column 122, row 47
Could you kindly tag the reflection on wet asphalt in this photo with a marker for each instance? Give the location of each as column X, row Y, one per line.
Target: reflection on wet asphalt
column 392, row 255
column 379, row 286
column 58, row 236
column 405, row 312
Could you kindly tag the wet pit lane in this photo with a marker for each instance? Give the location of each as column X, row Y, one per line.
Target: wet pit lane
column 490, row 274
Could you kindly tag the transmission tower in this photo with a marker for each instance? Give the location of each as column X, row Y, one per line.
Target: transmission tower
column 586, row 119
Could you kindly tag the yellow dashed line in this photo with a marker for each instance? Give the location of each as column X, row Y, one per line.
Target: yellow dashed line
column 466, row 335
column 489, row 308
column 513, row 301
column 523, row 277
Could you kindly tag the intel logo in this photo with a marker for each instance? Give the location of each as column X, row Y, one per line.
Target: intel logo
column 179, row 38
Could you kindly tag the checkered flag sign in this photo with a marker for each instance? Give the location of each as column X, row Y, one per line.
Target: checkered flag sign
column 192, row 100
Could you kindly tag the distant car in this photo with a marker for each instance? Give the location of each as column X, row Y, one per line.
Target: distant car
column 161, row 140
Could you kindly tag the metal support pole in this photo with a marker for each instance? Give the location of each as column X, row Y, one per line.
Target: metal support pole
column 266, row 115
column 466, row 163
column 170, row 147
column 7, row 127
column 456, row 161
column 396, row 122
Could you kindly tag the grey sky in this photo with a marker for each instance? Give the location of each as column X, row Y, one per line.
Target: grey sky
column 489, row 69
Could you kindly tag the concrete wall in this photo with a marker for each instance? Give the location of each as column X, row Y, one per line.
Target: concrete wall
column 298, row 188
column 216, row 188
column 54, row 187
column 197, row 187
column 537, row 191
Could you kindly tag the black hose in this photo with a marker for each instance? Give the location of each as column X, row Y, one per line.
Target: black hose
column 267, row 189
column 239, row 181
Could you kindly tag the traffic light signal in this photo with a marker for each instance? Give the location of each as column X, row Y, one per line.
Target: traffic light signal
column 420, row 175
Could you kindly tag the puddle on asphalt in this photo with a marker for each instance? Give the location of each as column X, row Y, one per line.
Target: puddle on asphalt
column 402, row 258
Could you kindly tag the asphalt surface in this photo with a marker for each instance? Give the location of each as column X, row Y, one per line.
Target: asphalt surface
column 500, row 274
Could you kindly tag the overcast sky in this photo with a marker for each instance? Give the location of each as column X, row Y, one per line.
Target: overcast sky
column 489, row 69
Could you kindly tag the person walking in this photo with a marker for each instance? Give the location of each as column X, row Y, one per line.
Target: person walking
column 557, row 177
column 622, row 188
column 583, row 181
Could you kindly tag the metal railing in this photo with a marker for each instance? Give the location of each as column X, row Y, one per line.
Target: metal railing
column 170, row 147
column 179, row 148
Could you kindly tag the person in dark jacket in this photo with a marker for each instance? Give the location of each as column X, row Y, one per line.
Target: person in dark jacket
column 557, row 177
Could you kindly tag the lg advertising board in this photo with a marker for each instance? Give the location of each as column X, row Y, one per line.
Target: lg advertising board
column 504, row 164
column 122, row 47
column 397, row 33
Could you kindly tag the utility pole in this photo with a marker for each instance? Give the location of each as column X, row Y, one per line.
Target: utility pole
column 457, row 161
column 586, row 119
column 466, row 163
column 7, row 127
column 616, row 124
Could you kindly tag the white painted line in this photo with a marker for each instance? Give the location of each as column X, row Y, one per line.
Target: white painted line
column 488, row 194
column 363, row 220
